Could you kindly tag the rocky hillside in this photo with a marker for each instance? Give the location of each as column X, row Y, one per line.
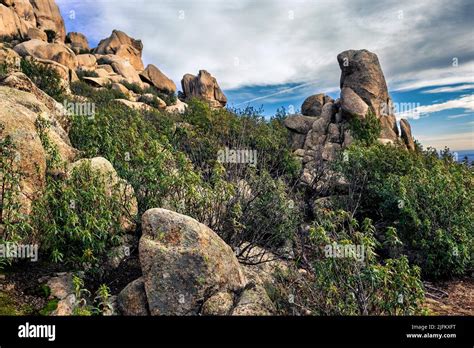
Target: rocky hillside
column 148, row 201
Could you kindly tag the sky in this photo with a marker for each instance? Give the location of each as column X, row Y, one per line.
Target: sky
column 274, row 54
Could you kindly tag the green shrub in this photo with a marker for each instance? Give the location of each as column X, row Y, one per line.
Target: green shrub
column 97, row 96
column 261, row 214
column 45, row 78
column 77, row 219
column 3, row 69
column 349, row 284
column 365, row 130
column 14, row 225
column 86, row 73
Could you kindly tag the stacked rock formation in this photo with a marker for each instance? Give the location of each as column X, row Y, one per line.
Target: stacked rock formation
column 322, row 130
column 203, row 86
column 22, row 19
column 34, row 29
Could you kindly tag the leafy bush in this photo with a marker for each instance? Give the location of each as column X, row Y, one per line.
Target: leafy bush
column 77, row 218
column 261, row 214
column 86, row 73
column 44, row 77
column 98, row 96
column 204, row 131
column 429, row 200
column 365, row 130
column 14, row 225
column 3, row 69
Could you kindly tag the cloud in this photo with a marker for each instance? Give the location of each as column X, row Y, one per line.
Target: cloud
column 448, row 89
column 465, row 102
column 453, row 117
column 264, row 43
column 440, row 76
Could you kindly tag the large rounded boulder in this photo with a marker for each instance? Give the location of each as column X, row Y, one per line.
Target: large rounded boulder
column 184, row 263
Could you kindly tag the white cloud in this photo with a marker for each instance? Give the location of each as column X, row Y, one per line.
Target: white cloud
column 246, row 43
column 447, row 89
column 465, row 102
column 453, row 117
column 443, row 76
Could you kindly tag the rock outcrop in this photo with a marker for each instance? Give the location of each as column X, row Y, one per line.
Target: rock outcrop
column 156, row 78
column 323, row 131
column 203, row 86
column 58, row 53
column 48, row 17
column 20, row 16
column 78, row 42
column 313, row 105
column 406, row 134
column 361, row 72
column 19, row 111
column 184, row 262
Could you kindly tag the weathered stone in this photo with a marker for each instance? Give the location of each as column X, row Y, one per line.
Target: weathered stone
column 61, row 285
column 183, row 261
column 334, row 135
column 352, row 104
column 221, row 303
column 297, row 140
column 48, row 17
column 50, row 51
column 313, row 105
column 86, row 61
column 135, row 105
column 21, row 82
column 203, row 86
column 155, row 77
column 254, row 301
column 361, row 71
column 389, row 129
column 123, row 46
column 78, row 42
column 330, row 151
column 65, row 306
column 19, row 112
column 36, row 34
column 132, row 299
column 299, row 123
column 97, row 81
column 179, row 107
column 405, row 130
